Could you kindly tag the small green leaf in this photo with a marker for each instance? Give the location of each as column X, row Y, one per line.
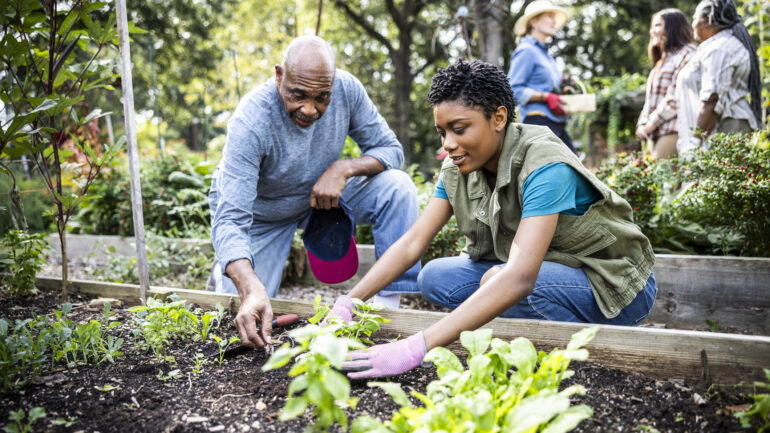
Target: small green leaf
column 295, row 407
column 476, row 341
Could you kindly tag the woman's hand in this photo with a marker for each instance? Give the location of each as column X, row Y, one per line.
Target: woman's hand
column 386, row 359
column 342, row 309
column 644, row 132
column 554, row 104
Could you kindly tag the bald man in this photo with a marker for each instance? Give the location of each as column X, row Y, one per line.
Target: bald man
column 282, row 157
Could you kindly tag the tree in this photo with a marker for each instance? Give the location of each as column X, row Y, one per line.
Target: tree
column 412, row 24
column 50, row 52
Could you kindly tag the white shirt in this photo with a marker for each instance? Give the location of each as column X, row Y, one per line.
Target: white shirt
column 720, row 65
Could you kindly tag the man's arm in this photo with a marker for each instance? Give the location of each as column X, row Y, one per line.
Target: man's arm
column 255, row 305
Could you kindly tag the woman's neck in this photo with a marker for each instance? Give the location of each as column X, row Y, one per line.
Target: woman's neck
column 540, row 36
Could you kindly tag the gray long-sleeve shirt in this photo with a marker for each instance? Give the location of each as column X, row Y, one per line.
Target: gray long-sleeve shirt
column 269, row 165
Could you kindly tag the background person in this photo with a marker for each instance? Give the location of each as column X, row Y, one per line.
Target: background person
column 282, row 157
column 671, row 46
column 712, row 87
column 534, row 74
column 545, row 238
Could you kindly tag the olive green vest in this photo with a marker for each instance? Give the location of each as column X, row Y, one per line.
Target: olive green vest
column 604, row 242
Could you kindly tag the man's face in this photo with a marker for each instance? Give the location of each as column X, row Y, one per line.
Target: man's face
column 305, row 92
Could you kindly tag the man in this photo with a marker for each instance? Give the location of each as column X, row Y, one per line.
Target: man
column 282, row 159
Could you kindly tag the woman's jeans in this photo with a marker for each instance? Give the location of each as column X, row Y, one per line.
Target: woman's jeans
column 561, row 293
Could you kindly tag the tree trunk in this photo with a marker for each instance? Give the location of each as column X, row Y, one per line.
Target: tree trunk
column 488, row 17
column 65, row 281
column 403, row 89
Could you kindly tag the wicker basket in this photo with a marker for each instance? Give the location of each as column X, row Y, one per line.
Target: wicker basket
column 580, row 103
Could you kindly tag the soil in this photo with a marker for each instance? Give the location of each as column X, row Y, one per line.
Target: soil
column 238, row 397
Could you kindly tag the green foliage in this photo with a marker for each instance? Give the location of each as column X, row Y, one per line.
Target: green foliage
column 173, row 374
column 710, row 202
column 34, row 198
column 174, row 199
column 222, row 345
column 32, row 347
column 22, row 256
column 360, row 329
column 21, row 422
column 317, row 382
column 200, row 361
column 160, row 322
column 506, row 387
column 760, row 410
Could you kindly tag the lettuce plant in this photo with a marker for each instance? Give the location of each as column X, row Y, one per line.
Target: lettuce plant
column 317, row 383
column 506, row 387
column 760, row 410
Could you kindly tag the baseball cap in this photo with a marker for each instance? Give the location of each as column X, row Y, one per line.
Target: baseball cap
column 331, row 247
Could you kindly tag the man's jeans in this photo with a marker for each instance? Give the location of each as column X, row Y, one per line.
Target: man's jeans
column 387, row 200
column 561, row 293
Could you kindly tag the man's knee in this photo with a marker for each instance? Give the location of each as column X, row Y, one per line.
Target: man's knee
column 399, row 184
column 429, row 279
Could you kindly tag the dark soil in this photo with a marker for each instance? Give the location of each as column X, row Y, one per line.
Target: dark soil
column 238, row 397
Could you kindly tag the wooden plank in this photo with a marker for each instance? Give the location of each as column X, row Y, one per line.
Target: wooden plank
column 732, row 291
column 133, row 150
column 662, row 353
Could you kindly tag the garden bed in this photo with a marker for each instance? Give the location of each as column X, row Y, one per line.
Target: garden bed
column 238, row 397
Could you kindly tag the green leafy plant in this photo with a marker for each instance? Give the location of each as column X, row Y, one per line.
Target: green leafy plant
column 317, row 383
column 65, row 422
column 173, row 374
column 223, row 344
column 49, row 50
column 200, row 361
column 760, row 409
column 21, row 258
column 21, row 422
column 159, row 322
column 506, row 387
column 360, row 329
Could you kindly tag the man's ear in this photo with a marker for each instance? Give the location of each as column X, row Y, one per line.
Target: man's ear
column 500, row 118
column 278, row 76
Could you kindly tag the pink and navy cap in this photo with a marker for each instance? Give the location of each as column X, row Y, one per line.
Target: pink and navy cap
column 331, row 247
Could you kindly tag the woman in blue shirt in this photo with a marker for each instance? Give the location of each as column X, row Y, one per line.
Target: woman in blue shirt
column 534, row 74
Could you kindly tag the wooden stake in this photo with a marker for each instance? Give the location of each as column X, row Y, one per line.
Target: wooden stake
column 133, row 152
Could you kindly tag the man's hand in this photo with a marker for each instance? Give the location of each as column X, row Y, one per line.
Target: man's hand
column 255, row 308
column 327, row 190
column 386, row 359
column 554, row 104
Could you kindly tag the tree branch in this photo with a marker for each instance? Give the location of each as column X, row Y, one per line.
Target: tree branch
column 365, row 25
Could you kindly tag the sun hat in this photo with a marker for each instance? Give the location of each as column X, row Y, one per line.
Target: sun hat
column 536, row 8
column 331, row 248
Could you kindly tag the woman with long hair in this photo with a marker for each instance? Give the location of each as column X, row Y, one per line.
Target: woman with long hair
column 670, row 48
column 712, row 87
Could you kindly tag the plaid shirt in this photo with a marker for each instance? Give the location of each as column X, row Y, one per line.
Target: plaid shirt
column 660, row 104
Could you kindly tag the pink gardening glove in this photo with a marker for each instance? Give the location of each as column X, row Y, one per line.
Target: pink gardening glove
column 386, row 359
column 554, row 104
column 342, row 308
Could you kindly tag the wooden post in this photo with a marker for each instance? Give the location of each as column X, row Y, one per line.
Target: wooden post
column 133, row 151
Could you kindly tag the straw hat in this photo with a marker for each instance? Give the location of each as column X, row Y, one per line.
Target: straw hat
column 536, row 8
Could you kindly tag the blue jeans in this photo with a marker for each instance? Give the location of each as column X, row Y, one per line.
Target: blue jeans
column 561, row 293
column 387, row 200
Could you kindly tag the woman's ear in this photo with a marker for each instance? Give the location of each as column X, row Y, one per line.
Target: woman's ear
column 500, row 118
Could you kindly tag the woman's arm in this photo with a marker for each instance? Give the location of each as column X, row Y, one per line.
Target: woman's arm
column 502, row 289
column 406, row 251
column 707, row 116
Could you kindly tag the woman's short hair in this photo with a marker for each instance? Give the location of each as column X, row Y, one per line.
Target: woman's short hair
column 477, row 84
column 677, row 32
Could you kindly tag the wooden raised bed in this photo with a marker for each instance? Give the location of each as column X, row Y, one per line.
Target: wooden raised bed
column 699, row 357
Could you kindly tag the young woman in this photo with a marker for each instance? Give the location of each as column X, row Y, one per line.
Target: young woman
column 545, row 238
column 712, row 87
column 534, row 74
column 671, row 46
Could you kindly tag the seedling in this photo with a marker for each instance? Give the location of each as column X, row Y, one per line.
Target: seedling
column 647, row 428
column 713, row 325
column 317, row 383
column 222, row 345
column 361, row 329
column 200, row 360
column 65, row 422
column 18, row 423
column 173, row 374
column 107, row 388
column 506, row 387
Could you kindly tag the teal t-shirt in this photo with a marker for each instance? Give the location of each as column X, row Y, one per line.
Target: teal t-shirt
column 552, row 188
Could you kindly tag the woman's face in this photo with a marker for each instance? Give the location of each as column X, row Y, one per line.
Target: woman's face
column 544, row 23
column 700, row 26
column 656, row 31
column 470, row 138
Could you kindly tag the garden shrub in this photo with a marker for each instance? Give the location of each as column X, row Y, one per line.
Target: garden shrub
column 174, row 199
column 22, row 256
column 34, row 198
